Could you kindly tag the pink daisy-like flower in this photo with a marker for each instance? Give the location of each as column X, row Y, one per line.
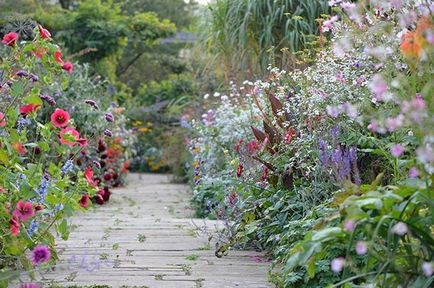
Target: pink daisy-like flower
column 349, row 225
column 68, row 67
column 60, row 118
column 337, row 264
column 69, row 136
column 24, row 211
column 361, row 248
column 413, row 172
column 40, row 254
column 44, row 33
column 397, row 150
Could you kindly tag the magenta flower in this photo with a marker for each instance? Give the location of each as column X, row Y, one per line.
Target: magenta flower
column 361, row 248
column 393, row 123
column 24, row 211
column 378, row 87
column 40, row 254
column 413, row 172
column 338, row 264
column 400, row 229
column 397, row 150
column 349, row 225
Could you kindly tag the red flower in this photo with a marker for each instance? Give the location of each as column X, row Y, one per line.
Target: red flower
column 240, row 170
column 253, row 147
column 58, row 57
column 98, row 199
column 60, row 118
column 88, row 174
column 106, row 193
column 29, row 108
column 14, row 226
column 44, row 33
column 19, row 147
column 24, row 210
column 84, row 201
column 69, row 136
column 2, row 120
column 67, row 66
column 10, row 39
column 289, row 135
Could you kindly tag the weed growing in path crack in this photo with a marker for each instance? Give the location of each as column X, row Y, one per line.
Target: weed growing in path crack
column 192, row 257
column 141, row 237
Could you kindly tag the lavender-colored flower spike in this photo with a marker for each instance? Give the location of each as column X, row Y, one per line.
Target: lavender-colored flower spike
column 108, row 133
column 91, row 103
column 109, row 117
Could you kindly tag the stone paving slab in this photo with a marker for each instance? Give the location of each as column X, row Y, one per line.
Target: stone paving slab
column 145, row 237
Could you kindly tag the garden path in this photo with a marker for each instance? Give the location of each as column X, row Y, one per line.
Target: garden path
column 145, row 237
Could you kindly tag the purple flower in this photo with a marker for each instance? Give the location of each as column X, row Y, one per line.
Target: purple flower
column 397, row 150
column 400, row 229
column 323, row 155
column 413, row 172
column 333, row 111
column 22, row 73
column 361, row 248
column 91, row 103
column 40, row 254
column 108, row 133
column 338, row 264
column 97, row 164
column 109, row 117
column 378, row 87
column 349, row 225
column 33, row 77
column 428, row 269
column 50, row 100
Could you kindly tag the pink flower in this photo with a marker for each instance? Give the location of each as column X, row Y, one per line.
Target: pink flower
column 69, row 136
column 253, row 147
column 328, row 24
column 378, row 87
column 393, row 123
column 289, row 135
column 44, row 33
column 349, row 225
column 67, row 66
column 88, row 174
column 14, row 226
column 361, row 248
column 397, row 150
column 60, row 118
column 413, row 172
column 24, row 211
column 400, row 229
column 10, row 39
column 2, row 120
column 40, row 254
column 28, row 108
column 337, row 264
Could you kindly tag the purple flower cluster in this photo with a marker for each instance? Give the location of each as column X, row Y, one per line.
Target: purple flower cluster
column 341, row 160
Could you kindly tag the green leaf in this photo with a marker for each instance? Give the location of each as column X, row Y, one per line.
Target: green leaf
column 326, row 234
column 4, row 158
column 63, row 230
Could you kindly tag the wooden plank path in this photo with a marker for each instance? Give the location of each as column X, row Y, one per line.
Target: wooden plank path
column 145, row 237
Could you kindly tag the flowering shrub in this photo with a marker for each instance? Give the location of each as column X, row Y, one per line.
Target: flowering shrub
column 46, row 153
column 331, row 167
